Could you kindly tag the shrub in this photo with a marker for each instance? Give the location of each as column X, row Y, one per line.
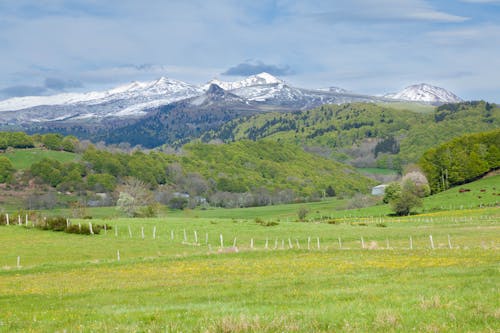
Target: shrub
column 57, row 223
column 407, row 200
column 302, row 213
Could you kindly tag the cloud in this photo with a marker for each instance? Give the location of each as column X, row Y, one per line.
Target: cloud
column 385, row 11
column 248, row 68
column 481, row 1
column 51, row 85
column 22, row 90
column 60, row 84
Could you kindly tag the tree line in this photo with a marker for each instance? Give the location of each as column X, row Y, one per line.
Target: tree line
column 461, row 160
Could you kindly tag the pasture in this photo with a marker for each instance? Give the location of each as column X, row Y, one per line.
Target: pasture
column 22, row 159
column 173, row 274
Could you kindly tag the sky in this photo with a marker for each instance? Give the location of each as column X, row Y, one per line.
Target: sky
column 365, row 46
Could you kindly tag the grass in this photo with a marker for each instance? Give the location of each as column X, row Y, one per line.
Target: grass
column 377, row 171
column 22, row 159
column 75, row 283
column 483, row 193
column 410, row 106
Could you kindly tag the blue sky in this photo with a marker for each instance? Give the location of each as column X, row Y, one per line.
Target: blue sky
column 367, row 46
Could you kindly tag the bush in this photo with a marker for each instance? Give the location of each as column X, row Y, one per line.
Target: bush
column 56, row 223
column 266, row 223
column 178, row 203
column 302, row 213
column 407, row 200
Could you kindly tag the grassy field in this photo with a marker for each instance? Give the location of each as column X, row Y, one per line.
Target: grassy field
column 76, row 283
column 377, row 171
column 22, row 159
column 415, row 107
column 351, row 270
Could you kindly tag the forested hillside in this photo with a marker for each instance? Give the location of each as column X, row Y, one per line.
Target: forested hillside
column 244, row 173
column 365, row 134
column 461, row 160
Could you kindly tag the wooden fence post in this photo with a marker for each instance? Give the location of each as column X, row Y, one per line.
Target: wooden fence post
column 118, row 255
column 411, row 243
column 432, row 242
column 340, row 243
column 221, row 241
column 319, row 246
column 142, row 232
column 90, row 228
column 362, row 243
column 154, row 232
column 129, row 232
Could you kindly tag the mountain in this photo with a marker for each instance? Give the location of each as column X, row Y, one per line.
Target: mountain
column 130, row 100
column 179, row 122
column 364, row 134
column 174, row 112
column 425, row 93
column 253, row 80
column 269, row 90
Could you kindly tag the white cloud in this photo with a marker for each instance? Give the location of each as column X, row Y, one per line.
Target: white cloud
column 363, row 45
column 481, row 1
column 382, row 10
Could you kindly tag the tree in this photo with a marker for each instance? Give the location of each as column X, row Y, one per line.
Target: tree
column 330, row 191
column 6, row 169
column 135, row 198
column 302, row 213
column 392, row 191
column 407, row 200
column 52, row 141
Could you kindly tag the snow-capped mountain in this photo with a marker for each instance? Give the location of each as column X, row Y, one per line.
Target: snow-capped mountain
column 138, row 99
column 266, row 89
column 251, row 81
column 215, row 95
column 425, row 93
column 145, row 90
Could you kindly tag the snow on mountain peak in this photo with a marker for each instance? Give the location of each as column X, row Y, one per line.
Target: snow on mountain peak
column 427, row 93
column 167, row 89
column 251, row 81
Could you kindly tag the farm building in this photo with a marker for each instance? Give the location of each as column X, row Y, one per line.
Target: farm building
column 379, row 189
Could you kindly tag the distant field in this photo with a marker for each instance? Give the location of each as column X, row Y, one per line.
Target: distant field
column 23, row 158
column 377, row 171
column 415, row 107
column 483, row 192
column 75, row 283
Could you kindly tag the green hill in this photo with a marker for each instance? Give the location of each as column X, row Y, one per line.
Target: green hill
column 22, row 159
column 462, row 159
column 243, row 165
column 364, row 134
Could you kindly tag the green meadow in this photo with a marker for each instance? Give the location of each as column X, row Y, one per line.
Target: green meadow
column 182, row 273
column 22, row 159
